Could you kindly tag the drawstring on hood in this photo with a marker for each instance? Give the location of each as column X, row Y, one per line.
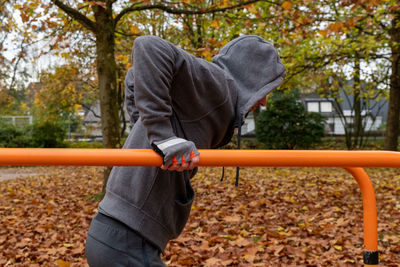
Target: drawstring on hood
column 256, row 68
column 239, row 134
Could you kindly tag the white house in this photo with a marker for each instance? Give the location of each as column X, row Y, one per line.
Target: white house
column 374, row 113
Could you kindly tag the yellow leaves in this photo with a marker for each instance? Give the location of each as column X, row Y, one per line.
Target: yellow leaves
column 215, row 24
column 65, row 55
column 206, row 54
column 62, row 263
column 337, row 209
column 134, row 29
column 283, row 232
column 244, row 233
column 338, row 248
column 59, row 92
column 301, row 225
column 122, row 58
column 289, row 199
column 287, row 5
column 280, row 229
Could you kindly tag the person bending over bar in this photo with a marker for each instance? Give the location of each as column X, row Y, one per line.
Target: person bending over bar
column 177, row 103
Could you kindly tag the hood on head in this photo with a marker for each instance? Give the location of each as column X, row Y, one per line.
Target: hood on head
column 255, row 66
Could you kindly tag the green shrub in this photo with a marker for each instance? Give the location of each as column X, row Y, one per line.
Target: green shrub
column 11, row 136
column 285, row 124
column 41, row 134
column 83, row 144
column 48, row 134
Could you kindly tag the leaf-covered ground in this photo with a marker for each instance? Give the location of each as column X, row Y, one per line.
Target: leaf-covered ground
column 276, row 217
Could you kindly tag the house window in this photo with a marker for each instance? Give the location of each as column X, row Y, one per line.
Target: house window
column 312, row 106
column 326, row 107
column 319, row 106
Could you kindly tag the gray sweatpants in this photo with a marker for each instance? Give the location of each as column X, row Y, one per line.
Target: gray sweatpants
column 110, row 243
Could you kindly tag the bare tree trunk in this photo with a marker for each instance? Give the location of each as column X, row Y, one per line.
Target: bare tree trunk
column 358, row 131
column 106, row 71
column 392, row 127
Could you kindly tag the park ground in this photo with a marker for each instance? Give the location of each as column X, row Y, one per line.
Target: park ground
column 275, row 217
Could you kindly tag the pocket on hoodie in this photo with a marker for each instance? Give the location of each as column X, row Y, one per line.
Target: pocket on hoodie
column 183, row 200
column 183, row 205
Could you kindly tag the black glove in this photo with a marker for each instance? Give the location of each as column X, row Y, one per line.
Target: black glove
column 175, row 147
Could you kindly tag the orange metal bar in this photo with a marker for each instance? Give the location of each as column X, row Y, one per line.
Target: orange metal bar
column 208, row 157
column 352, row 161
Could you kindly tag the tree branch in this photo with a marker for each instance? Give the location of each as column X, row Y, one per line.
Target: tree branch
column 75, row 14
column 172, row 10
column 127, row 34
column 91, row 110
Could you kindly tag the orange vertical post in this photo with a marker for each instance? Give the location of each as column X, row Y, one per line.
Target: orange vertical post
column 370, row 216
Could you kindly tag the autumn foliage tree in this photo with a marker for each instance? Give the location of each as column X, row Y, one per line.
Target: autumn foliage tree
column 11, row 95
column 101, row 19
column 60, row 94
column 356, row 40
column 314, row 38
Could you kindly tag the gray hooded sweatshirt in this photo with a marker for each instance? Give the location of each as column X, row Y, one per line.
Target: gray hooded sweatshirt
column 172, row 93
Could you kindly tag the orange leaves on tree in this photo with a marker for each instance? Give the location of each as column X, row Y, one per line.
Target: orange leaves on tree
column 287, row 5
column 24, row 17
column 351, row 22
column 134, row 29
column 336, row 27
column 215, row 24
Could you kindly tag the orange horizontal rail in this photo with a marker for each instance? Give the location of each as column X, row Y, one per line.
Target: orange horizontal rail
column 352, row 161
column 208, row 157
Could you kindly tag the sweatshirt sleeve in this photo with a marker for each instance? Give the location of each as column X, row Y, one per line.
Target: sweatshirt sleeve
column 129, row 97
column 153, row 61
